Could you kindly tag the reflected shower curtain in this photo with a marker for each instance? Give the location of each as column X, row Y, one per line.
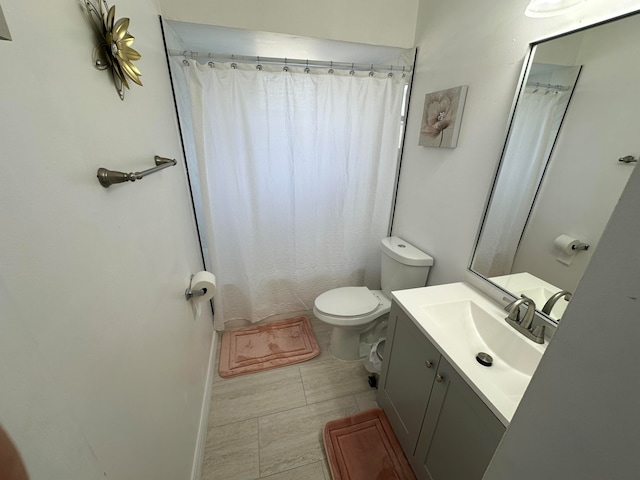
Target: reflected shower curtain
column 538, row 119
column 297, row 172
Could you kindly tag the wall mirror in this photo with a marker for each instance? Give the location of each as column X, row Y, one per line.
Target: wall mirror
column 560, row 175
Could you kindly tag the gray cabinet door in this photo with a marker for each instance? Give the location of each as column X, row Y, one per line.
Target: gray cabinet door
column 407, row 377
column 459, row 434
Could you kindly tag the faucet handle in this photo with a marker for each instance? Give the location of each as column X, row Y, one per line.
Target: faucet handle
column 538, row 334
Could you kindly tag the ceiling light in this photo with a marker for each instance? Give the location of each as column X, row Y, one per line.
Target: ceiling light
column 550, row 8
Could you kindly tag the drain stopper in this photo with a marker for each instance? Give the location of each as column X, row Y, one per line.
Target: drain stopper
column 484, row 359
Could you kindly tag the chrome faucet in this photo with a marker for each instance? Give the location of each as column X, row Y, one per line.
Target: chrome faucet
column 553, row 299
column 524, row 326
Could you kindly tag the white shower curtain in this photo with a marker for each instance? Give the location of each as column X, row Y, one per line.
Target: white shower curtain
column 297, row 173
column 538, row 117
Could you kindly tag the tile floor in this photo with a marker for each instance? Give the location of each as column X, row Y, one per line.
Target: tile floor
column 269, row 424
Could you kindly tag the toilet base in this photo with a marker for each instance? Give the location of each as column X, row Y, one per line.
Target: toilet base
column 352, row 344
column 345, row 344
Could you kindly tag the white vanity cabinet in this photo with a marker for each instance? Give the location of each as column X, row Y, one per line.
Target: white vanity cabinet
column 444, row 428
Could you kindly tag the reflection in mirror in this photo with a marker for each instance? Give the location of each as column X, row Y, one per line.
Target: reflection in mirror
column 560, row 174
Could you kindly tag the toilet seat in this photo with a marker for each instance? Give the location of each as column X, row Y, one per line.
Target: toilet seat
column 347, row 302
column 337, row 318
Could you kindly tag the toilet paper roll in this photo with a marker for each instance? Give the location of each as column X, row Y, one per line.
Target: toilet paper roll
column 566, row 244
column 204, row 280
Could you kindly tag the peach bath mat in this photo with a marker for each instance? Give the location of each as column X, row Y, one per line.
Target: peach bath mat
column 271, row 345
column 364, row 447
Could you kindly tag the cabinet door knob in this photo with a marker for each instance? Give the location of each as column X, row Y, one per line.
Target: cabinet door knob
column 428, row 364
column 439, row 379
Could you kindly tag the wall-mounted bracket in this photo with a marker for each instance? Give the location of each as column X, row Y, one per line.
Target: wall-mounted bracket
column 628, row 159
column 189, row 294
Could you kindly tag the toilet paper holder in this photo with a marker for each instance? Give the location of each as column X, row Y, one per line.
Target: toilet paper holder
column 580, row 246
column 189, row 294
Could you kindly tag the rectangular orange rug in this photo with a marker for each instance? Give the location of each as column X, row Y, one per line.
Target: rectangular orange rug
column 364, row 447
column 261, row 347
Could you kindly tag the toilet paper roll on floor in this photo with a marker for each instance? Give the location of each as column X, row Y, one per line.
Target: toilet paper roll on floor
column 568, row 247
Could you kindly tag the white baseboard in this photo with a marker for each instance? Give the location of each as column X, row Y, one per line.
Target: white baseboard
column 196, row 470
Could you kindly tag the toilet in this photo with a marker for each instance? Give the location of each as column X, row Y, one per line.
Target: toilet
column 354, row 312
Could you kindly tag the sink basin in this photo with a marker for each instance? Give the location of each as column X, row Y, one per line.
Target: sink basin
column 461, row 322
column 478, row 331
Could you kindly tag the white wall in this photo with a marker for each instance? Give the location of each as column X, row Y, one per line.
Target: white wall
column 584, row 180
column 377, row 22
column 578, row 417
column 102, row 361
column 442, row 192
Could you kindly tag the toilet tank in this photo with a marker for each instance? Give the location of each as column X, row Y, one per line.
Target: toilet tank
column 403, row 265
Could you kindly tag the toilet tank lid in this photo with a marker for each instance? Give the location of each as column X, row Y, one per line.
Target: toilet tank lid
column 405, row 253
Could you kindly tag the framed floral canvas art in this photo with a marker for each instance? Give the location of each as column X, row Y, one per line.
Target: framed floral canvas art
column 442, row 117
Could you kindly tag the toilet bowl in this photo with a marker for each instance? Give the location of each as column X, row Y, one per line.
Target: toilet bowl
column 354, row 311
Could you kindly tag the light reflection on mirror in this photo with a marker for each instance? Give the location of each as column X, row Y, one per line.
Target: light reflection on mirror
column 562, row 176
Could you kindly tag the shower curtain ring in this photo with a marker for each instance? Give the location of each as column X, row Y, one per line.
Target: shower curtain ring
column 371, row 71
column 331, row 69
column 307, row 69
column 390, row 75
column 352, row 71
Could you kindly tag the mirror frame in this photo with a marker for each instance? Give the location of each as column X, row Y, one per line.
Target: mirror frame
column 4, row 28
column 480, row 282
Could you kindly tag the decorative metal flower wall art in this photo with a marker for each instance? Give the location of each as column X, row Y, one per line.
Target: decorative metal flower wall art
column 442, row 117
column 113, row 50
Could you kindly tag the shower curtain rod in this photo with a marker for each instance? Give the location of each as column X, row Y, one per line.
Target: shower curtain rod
column 292, row 62
column 549, row 86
